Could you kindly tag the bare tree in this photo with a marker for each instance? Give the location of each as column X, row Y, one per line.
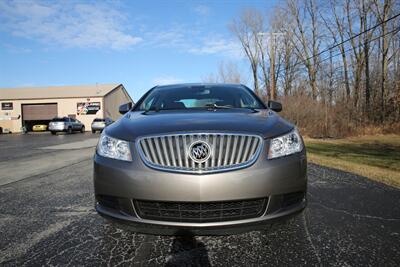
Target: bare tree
column 357, row 60
column 287, row 59
column 356, row 84
column 336, row 27
column 228, row 72
column 382, row 13
column 246, row 29
column 290, row 62
column 274, row 64
column 306, row 39
column 210, row 78
column 264, row 65
column 365, row 11
column 396, row 76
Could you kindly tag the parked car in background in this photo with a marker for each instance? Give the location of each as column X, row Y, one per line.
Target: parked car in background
column 66, row 124
column 39, row 128
column 99, row 124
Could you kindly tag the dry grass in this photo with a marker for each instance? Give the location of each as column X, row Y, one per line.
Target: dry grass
column 341, row 120
column 376, row 157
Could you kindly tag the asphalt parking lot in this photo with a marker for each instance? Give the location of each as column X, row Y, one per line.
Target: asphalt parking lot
column 47, row 218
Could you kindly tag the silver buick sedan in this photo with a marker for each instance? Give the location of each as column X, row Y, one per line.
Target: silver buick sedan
column 204, row 158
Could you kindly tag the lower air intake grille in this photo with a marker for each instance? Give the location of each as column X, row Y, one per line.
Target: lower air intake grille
column 200, row 212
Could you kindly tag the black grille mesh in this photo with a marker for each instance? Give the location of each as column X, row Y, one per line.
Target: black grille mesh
column 200, row 212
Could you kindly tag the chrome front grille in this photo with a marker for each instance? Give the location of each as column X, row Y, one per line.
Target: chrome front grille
column 226, row 151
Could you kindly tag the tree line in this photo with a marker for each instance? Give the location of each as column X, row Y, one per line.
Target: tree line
column 335, row 64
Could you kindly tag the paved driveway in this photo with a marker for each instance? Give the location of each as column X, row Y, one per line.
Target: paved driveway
column 47, row 217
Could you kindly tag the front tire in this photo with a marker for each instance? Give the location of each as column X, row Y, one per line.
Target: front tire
column 83, row 129
column 69, row 131
column 53, row 133
column 93, row 131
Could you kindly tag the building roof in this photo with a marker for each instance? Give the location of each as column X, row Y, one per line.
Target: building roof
column 75, row 91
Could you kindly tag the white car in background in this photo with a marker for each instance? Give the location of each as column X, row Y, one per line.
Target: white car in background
column 99, row 124
column 66, row 124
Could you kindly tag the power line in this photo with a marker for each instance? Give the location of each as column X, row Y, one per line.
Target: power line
column 397, row 29
column 369, row 41
column 352, row 37
column 302, row 62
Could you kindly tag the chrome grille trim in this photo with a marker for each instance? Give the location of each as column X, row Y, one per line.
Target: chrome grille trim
column 229, row 151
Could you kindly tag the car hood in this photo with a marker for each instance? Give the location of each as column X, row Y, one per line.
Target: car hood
column 136, row 124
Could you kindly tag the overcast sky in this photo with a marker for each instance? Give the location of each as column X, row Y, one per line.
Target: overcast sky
column 137, row 43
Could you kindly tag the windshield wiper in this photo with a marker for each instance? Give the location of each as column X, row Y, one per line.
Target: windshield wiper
column 215, row 106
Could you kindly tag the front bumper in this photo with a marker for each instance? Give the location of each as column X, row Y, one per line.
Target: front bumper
column 97, row 128
column 277, row 180
column 234, row 227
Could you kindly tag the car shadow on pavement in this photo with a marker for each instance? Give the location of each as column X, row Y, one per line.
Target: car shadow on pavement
column 187, row 251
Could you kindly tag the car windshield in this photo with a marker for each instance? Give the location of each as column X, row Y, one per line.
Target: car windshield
column 198, row 97
column 98, row 120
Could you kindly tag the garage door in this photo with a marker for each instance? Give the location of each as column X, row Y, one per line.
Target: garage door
column 39, row 112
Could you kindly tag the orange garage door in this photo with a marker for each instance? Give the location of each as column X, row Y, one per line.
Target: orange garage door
column 32, row 112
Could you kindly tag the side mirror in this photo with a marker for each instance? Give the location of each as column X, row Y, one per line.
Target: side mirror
column 275, row 106
column 124, row 108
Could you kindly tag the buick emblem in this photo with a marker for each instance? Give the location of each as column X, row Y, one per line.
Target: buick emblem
column 199, row 151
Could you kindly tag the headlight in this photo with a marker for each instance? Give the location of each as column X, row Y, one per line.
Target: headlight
column 285, row 145
column 113, row 148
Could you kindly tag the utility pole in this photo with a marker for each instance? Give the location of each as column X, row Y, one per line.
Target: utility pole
column 272, row 65
column 272, row 54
